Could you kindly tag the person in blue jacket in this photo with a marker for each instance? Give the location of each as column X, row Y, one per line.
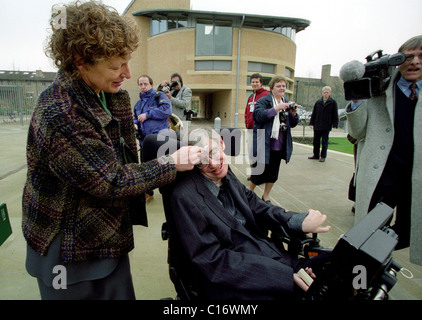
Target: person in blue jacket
column 152, row 110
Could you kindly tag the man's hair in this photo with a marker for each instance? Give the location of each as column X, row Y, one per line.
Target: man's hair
column 177, row 75
column 275, row 80
column 146, row 76
column 93, row 32
column 197, row 137
column 412, row 44
column 326, row 88
column 257, row 76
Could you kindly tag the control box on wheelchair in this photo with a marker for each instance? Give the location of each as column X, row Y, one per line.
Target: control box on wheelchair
column 359, row 267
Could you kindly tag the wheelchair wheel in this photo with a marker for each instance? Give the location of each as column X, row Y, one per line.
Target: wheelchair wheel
column 175, row 123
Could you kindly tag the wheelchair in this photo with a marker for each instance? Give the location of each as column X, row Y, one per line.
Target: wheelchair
column 359, row 267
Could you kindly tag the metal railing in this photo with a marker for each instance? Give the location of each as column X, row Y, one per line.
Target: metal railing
column 16, row 104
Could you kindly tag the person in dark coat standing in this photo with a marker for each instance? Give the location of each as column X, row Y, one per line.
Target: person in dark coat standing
column 324, row 118
column 272, row 137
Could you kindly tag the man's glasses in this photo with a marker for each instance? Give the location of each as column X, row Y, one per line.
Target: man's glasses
column 410, row 57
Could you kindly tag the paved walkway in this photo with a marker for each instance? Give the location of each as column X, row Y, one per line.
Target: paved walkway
column 302, row 184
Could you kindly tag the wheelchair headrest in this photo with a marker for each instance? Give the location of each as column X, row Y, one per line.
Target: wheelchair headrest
column 156, row 145
column 232, row 138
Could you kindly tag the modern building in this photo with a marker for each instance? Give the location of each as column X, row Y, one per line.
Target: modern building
column 214, row 52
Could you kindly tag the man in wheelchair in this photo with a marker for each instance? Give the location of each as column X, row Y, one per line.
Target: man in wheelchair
column 223, row 227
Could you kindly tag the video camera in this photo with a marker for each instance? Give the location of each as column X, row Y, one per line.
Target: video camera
column 360, row 267
column 372, row 79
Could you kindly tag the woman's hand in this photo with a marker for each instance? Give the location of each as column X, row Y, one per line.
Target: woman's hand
column 282, row 106
column 186, row 157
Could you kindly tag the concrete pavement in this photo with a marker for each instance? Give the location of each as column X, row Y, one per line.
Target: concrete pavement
column 302, row 184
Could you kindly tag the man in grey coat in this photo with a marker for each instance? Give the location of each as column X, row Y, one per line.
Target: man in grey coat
column 180, row 96
column 389, row 155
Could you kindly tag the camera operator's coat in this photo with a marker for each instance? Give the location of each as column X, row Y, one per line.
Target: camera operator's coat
column 181, row 102
column 372, row 124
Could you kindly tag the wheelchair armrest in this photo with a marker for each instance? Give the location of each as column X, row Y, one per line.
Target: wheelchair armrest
column 296, row 242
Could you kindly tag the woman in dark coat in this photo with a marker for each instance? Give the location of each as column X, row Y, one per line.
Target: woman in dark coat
column 272, row 131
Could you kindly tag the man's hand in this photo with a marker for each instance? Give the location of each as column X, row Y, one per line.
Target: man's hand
column 314, row 221
column 299, row 282
column 142, row 117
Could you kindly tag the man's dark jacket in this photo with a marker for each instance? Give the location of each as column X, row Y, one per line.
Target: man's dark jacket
column 324, row 116
column 234, row 261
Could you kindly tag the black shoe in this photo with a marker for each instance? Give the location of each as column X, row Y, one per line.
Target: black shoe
column 322, row 160
column 267, row 201
column 313, row 158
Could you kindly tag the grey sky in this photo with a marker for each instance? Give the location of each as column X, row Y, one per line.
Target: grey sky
column 340, row 30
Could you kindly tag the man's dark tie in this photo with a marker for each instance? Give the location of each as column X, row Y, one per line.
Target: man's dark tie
column 413, row 95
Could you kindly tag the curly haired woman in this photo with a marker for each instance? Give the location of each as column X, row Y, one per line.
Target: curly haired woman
column 82, row 190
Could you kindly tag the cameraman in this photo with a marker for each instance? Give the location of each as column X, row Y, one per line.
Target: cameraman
column 389, row 156
column 179, row 95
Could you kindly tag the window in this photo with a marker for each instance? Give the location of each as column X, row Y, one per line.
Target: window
column 265, row 81
column 224, row 65
column 177, row 23
column 213, row 38
column 160, row 25
column 287, row 31
column 261, row 67
column 288, row 73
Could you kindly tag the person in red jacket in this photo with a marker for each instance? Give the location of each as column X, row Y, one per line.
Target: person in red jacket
column 258, row 92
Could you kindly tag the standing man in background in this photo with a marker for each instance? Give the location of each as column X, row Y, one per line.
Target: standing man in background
column 258, row 92
column 151, row 112
column 180, row 96
column 324, row 117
